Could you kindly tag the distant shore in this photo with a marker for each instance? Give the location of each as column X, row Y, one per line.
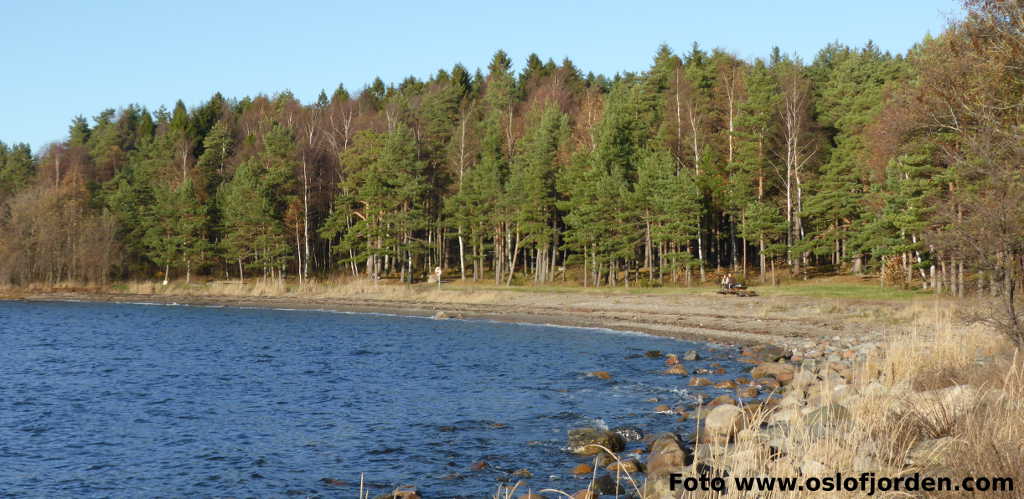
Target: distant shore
column 699, row 315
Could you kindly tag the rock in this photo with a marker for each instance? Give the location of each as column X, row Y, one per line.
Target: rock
column 400, row 493
column 600, row 374
column 627, row 466
column 720, row 400
column 742, row 380
column 752, row 435
column 530, row 495
column 671, row 359
column 666, row 455
column 723, row 422
column 747, row 392
column 767, row 353
column 582, row 469
column 810, row 467
column 584, row 494
column 691, row 356
column 604, row 459
column 676, row 369
column 746, row 461
column 792, row 399
column 479, row 465
column 653, row 354
column 588, row 441
column 440, row 315
column 786, row 415
column 719, row 371
column 726, row 385
column 522, row 473
column 945, row 403
column 768, row 383
column 782, row 372
column 698, row 381
column 606, row 484
column 662, row 409
column 803, row 379
column 827, row 418
column 333, row 482
column 930, row 452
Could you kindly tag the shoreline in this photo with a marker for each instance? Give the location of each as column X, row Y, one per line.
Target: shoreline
column 840, row 376
column 722, row 327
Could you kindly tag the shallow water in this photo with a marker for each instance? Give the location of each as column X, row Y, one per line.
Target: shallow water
column 133, row 400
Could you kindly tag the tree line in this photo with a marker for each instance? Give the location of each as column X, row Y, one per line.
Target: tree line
column 858, row 161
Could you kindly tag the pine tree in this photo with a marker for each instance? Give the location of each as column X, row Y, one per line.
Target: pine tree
column 16, row 169
column 176, row 234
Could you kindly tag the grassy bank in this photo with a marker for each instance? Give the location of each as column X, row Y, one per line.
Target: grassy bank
column 838, row 287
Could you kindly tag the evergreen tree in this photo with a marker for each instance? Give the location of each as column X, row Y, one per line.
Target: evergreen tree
column 16, row 169
column 176, row 233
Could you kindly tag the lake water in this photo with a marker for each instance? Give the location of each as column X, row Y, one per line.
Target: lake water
column 135, row 400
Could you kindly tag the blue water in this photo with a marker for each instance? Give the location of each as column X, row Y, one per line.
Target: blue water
column 141, row 401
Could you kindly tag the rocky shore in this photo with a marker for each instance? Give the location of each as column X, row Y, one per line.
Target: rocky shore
column 820, row 397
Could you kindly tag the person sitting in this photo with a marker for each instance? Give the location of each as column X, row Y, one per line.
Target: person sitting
column 728, row 282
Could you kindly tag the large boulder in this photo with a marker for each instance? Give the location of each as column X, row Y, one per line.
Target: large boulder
column 723, row 422
column 782, row 372
column 827, row 418
column 588, row 441
column 930, row 452
column 666, row 456
column 952, row 402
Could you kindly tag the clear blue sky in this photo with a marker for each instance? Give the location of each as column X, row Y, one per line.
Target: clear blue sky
column 64, row 58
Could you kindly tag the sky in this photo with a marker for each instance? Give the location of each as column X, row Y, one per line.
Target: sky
column 68, row 58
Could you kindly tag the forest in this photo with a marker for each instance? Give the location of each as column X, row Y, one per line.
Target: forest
column 906, row 167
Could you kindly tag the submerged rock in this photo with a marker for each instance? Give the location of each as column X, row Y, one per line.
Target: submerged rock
column 588, row 441
column 582, row 469
column 676, row 369
column 627, row 466
column 698, row 381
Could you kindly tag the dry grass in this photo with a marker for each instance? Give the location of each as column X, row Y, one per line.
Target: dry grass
column 893, row 429
column 338, row 288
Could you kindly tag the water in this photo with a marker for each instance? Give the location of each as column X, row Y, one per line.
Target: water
column 133, row 400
